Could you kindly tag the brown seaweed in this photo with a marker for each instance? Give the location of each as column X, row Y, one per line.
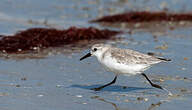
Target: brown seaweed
column 35, row 38
column 145, row 16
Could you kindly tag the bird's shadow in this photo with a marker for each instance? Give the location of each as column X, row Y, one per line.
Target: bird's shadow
column 112, row 88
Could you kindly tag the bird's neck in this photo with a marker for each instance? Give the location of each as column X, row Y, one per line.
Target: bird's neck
column 100, row 56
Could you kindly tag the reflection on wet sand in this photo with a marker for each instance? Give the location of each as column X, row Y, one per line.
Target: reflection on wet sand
column 151, row 107
column 103, row 100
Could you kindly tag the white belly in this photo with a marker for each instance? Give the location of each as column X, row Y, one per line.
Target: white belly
column 119, row 68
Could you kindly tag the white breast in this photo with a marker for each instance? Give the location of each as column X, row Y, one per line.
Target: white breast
column 111, row 64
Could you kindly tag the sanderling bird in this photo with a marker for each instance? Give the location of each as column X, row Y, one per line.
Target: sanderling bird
column 123, row 61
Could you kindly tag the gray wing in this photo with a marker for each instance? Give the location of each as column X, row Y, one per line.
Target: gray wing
column 127, row 56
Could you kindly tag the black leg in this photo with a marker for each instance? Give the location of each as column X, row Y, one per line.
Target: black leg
column 152, row 84
column 101, row 87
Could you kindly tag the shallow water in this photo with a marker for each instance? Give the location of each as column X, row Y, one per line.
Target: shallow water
column 56, row 79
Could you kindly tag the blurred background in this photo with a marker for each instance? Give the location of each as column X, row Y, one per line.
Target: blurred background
column 56, row 79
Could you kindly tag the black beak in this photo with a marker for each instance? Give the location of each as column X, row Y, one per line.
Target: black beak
column 88, row 55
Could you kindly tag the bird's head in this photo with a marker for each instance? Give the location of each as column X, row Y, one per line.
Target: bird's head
column 96, row 50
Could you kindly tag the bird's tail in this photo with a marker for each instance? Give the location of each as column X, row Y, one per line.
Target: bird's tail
column 164, row 59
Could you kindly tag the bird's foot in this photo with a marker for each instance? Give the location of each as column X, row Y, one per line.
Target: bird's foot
column 96, row 89
column 157, row 86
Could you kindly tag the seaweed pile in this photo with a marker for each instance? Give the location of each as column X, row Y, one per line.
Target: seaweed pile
column 38, row 38
column 144, row 16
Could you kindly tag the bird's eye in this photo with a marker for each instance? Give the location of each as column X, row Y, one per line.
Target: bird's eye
column 95, row 49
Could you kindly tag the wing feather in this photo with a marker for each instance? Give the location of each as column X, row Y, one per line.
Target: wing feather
column 127, row 56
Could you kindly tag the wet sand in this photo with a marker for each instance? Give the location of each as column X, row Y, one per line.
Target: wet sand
column 55, row 78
